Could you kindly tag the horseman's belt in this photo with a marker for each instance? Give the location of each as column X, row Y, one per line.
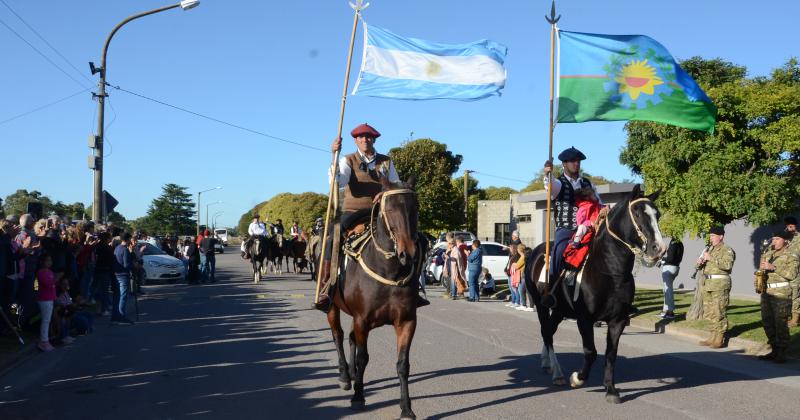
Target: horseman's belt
column 718, row 276
column 781, row 284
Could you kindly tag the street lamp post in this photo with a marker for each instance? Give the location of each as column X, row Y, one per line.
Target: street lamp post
column 96, row 142
column 198, row 206
column 214, row 219
column 207, row 206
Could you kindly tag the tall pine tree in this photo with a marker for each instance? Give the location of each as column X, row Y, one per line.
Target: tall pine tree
column 172, row 212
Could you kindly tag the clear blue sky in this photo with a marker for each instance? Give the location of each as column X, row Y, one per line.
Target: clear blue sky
column 277, row 67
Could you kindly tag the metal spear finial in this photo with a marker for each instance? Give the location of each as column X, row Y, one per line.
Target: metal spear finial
column 552, row 19
column 359, row 5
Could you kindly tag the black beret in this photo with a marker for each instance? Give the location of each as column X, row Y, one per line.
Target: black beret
column 717, row 230
column 570, row 155
column 783, row 234
column 790, row 220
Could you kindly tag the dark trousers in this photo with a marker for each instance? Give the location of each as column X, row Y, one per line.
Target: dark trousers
column 560, row 242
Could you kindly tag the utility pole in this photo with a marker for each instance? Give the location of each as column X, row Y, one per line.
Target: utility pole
column 466, row 198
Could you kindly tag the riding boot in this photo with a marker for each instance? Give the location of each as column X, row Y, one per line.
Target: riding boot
column 710, row 339
column 422, row 301
column 324, row 303
column 795, row 321
column 718, row 342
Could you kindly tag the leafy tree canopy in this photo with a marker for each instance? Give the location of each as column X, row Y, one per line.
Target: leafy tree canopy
column 747, row 169
column 304, row 208
column 440, row 205
column 17, row 203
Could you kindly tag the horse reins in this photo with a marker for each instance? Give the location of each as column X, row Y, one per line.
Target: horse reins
column 636, row 251
column 356, row 253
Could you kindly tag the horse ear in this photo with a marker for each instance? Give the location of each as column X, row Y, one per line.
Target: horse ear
column 385, row 182
column 654, row 196
column 411, row 182
column 637, row 192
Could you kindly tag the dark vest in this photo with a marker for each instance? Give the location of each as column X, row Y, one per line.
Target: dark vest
column 564, row 207
column 363, row 186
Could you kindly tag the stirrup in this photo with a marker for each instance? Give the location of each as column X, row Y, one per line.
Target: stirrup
column 421, row 301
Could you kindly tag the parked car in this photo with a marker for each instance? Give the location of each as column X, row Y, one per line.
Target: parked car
column 495, row 258
column 467, row 236
column 160, row 266
column 219, row 247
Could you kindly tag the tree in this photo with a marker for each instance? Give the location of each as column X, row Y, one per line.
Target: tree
column 170, row 213
column 440, row 206
column 305, row 208
column 498, row 193
column 474, row 194
column 17, row 203
column 747, row 169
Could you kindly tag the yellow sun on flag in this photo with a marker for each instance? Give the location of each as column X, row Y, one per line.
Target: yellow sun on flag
column 638, row 77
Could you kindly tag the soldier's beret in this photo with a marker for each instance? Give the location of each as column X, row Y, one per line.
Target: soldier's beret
column 785, row 235
column 790, row 220
column 365, row 130
column 570, row 155
column 717, row 230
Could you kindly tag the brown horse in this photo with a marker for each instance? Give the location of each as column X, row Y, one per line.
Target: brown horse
column 380, row 288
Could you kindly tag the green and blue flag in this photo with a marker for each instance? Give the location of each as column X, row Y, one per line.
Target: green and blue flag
column 627, row 77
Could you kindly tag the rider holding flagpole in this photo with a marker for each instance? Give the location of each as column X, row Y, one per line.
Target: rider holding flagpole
column 360, row 174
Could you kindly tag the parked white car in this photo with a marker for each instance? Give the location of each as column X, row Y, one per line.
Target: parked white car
column 495, row 258
column 158, row 265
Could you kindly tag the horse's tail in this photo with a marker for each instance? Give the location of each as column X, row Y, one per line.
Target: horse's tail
column 534, row 266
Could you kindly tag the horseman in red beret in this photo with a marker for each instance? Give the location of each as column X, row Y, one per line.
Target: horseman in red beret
column 359, row 173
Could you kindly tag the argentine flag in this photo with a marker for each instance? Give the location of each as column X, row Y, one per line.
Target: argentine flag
column 408, row 68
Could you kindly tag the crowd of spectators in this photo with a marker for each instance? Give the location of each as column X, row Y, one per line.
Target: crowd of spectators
column 57, row 276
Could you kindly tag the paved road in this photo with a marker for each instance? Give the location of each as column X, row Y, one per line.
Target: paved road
column 244, row 351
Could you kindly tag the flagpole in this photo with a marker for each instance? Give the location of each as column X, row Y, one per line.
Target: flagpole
column 358, row 7
column 552, row 19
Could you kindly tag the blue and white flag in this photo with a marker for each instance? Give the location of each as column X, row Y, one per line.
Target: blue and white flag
column 409, row 68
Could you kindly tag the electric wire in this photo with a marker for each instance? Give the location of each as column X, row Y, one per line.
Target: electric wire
column 42, row 54
column 217, row 120
column 45, row 41
column 106, row 139
column 43, row 106
column 499, row 177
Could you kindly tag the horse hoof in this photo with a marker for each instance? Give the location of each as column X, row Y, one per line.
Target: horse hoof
column 411, row 416
column 574, row 381
column 357, row 405
column 345, row 385
column 613, row 399
column 559, row 381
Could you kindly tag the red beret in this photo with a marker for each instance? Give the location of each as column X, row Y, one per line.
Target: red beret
column 365, row 130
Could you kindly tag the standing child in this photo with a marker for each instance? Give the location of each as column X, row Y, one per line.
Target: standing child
column 47, row 294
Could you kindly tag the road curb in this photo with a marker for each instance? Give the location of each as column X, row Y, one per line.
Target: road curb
column 750, row 347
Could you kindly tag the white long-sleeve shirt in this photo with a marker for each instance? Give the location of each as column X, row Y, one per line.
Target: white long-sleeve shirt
column 345, row 170
column 257, row 229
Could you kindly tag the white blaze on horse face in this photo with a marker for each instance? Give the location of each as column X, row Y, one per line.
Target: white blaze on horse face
column 654, row 225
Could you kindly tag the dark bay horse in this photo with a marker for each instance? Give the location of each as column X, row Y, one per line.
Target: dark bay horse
column 380, row 288
column 296, row 250
column 606, row 288
column 258, row 256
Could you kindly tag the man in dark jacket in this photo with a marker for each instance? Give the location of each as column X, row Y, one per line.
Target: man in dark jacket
column 670, row 264
column 207, row 249
column 193, row 255
column 122, row 266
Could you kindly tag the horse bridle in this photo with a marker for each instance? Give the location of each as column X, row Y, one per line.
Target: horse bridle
column 636, row 251
column 356, row 254
column 382, row 214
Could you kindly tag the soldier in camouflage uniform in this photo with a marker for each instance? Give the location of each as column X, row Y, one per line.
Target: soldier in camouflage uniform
column 781, row 264
column 794, row 245
column 716, row 264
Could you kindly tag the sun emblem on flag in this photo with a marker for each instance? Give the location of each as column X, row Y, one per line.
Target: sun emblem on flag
column 433, row 68
column 638, row 82
column 636, row 78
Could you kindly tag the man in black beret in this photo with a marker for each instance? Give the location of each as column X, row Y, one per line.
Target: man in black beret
column 564, row 207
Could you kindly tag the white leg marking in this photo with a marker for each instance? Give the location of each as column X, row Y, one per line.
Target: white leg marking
column 558, row 375
column 545, row 357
